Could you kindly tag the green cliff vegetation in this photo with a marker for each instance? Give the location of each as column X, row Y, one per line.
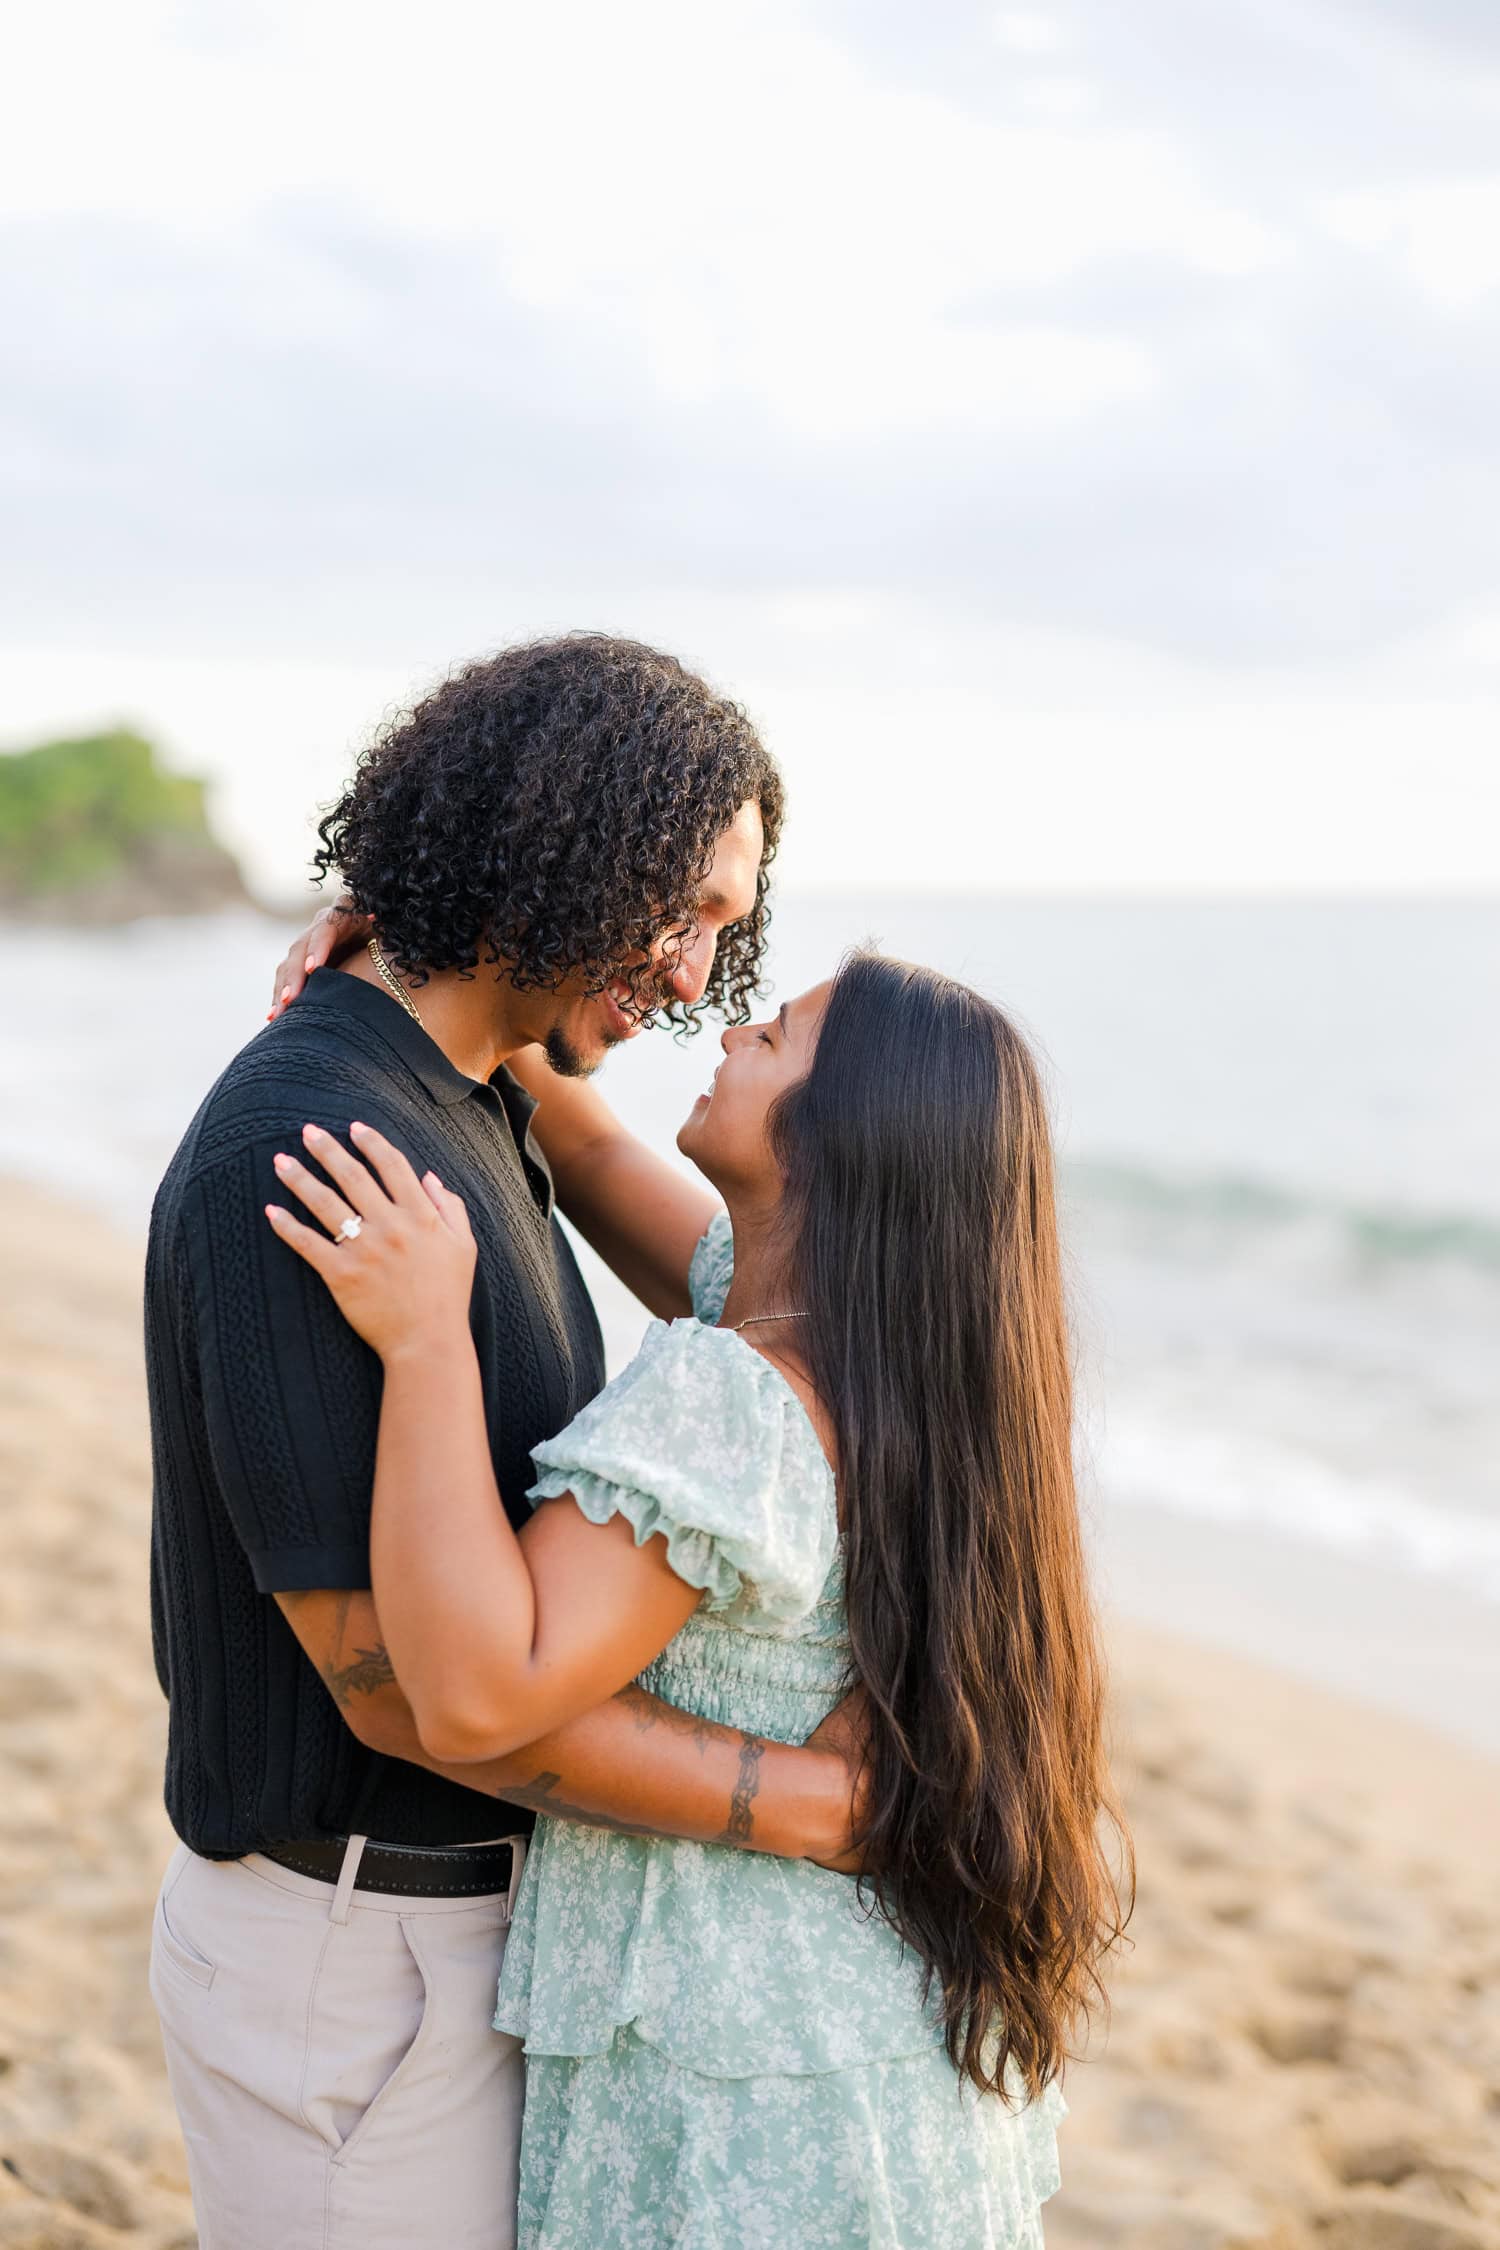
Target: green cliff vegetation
column 97, row 831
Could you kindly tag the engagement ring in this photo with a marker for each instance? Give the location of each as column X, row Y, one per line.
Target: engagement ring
column 349, row 1229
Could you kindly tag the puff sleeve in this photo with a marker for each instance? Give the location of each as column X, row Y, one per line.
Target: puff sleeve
column 700, row 1440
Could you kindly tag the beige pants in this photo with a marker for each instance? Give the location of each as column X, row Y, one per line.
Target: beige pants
column 333, row 2062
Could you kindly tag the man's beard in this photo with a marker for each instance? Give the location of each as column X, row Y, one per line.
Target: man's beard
column 567, row 1061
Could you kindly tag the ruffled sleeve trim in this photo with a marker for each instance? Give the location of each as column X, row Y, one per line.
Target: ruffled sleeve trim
column 697, row 1557
column 700, row 1441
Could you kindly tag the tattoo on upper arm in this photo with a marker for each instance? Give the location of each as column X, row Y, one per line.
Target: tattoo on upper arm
column 741, row 1822
column 371, row 1670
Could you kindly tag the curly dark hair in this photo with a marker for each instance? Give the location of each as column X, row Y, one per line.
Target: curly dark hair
column 557, row 808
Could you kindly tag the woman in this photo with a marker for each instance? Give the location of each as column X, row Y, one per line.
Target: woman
column 855, row 1462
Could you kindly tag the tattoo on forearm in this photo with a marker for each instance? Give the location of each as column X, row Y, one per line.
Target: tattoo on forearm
column 540, row 1794
column 543, row 1795
column 649, row 1711
column 741, row 1824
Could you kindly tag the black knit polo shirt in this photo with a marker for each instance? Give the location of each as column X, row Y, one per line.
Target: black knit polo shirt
column 265, row 1405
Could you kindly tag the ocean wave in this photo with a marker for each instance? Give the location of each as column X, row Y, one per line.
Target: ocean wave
column 1236, row 1205
column 1225, row 1476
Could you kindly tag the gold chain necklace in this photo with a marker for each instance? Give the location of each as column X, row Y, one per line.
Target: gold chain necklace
column 396, row 989
column 755, row 1319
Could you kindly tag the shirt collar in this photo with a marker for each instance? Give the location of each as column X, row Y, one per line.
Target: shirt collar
column 424, row 1058
column 402, row 1033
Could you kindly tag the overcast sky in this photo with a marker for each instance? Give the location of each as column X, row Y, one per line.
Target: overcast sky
column 1071, row 429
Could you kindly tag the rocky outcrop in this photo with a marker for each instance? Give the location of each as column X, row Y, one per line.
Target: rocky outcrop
column 97, row 831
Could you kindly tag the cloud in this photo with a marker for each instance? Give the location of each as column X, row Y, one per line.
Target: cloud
column 1444, row 235
column 326, row 332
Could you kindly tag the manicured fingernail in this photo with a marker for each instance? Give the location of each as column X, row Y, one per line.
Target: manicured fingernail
column 309, row 965
column 281, row 1162
column 313, row 1133
column 357, row 1127
column 274, row 1211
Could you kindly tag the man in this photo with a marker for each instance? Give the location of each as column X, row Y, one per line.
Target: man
column 555, row 845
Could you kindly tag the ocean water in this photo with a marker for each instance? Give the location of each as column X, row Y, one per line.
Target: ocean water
column 1280, row 1129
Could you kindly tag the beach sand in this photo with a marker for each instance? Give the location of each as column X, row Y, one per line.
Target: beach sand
column 1305, row 2045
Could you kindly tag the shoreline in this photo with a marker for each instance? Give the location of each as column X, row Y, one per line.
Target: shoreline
column 1429, row 1792
column 1304, row 2052
column 1410, row 1648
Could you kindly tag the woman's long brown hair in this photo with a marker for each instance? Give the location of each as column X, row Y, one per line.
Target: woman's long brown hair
column 923, row 1248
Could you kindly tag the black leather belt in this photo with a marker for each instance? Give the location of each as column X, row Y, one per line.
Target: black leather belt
column 405, row 1870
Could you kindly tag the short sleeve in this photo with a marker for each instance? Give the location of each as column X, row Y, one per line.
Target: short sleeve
column 701, row 1441
column 290, row 1394
column 712, row 1269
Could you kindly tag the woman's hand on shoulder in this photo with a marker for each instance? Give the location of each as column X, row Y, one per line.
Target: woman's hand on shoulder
column 397, row 1252
column 332, row 934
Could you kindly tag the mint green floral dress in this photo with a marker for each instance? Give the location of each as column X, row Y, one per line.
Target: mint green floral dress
column 724, row 2050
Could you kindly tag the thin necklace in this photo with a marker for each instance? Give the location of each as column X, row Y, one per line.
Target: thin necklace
column 391, row 984
column 753, row 1320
